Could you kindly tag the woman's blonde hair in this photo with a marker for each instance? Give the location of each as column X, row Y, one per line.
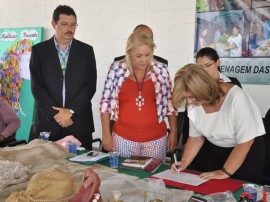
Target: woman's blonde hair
column 137, row 38
column 194, row 79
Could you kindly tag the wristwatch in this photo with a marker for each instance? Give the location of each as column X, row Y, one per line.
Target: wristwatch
column 71, row 111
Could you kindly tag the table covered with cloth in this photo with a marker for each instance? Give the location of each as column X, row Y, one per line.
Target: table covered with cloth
column 39, row 155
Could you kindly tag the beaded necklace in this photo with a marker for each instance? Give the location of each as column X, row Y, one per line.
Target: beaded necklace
column 140, row 100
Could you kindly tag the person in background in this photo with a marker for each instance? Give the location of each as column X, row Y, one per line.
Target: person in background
column 214, row 5
column 9, row 121
column 63, row 82
column 202, row 38
column 218, row 34
column 208, row 58
column 147, row 30
column 137, row 96
column 266, row 27
column 235, row 43
column 224, row 117
column 253, row 37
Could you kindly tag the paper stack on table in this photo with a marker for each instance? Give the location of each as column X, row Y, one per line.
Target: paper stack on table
column 95, row 156
column 185, row 178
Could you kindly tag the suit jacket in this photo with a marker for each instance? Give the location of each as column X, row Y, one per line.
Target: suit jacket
column 47, row 84
column 159, row 59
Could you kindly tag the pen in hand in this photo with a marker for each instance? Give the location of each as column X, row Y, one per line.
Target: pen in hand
column 176, row 163
column 92, row 154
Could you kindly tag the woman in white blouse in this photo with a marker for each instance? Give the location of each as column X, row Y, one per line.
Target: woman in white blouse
column 227, row 119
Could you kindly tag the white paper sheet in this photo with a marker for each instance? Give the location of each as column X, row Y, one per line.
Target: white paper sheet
column 185, row 178
column 84, row 158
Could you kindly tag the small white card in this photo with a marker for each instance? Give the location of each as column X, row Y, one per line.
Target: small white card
column 86, row 157
column 185, row 178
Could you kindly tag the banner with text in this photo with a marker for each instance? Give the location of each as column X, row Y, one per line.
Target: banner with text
column 239, row 30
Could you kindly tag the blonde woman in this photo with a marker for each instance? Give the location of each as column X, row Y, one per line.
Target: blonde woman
column 208, row 58
column 137, row 96
column 226, row 119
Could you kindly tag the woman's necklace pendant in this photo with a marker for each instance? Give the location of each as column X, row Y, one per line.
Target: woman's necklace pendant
column 140, row 101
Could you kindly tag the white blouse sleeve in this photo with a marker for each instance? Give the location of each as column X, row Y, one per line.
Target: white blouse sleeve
column 247, row 117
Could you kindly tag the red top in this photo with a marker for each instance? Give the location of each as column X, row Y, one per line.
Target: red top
column 135, row 125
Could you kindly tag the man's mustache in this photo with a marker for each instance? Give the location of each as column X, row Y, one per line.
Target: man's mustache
column 69, row 33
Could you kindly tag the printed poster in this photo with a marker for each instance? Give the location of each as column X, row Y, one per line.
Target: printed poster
column 15, row 51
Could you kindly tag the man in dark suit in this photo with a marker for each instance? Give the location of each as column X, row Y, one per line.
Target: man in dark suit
column 147, row 30
column 63, row 82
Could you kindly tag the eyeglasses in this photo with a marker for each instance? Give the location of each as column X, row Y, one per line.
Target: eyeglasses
column 66, row 25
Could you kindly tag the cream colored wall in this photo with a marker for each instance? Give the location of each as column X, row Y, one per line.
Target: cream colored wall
column 106, row 24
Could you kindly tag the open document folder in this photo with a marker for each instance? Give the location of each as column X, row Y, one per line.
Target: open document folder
column 206, row 187
column 91, row 157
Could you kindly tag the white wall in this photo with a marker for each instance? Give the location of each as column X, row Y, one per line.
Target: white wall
column 106, row 25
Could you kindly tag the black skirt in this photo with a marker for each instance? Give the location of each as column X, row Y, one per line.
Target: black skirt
column 252, row 168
